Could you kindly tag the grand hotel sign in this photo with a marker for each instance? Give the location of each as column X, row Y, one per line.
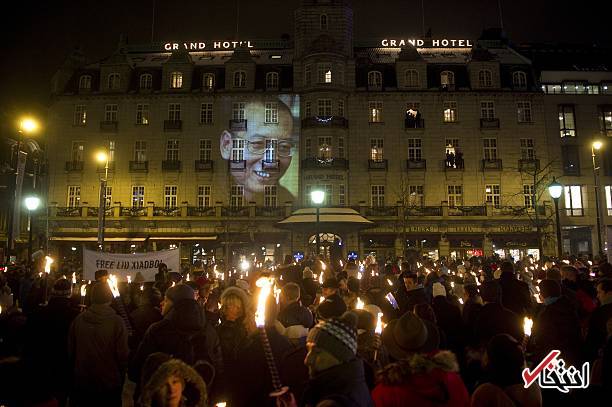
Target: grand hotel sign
column 426, row 43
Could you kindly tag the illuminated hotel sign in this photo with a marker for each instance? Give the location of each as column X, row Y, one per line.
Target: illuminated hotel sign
column 201, row 45
column 441, row 43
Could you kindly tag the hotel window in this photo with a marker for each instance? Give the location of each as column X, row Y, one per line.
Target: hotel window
column 174, row 112
column 324, row 73
column 140, row 151
column 108, row 197
column 487, row 110
column 146, row 81
column 493, row 194
column 377, row 196
column 111, row 150
column 609, row 199
column 606, row 120
column 271, row 149
column 238, row 111
column 176, row 80
column 375, row 109
column 567, row 121
column 239, row 79
column 528, row 191
column 272, row 80
column 450, row 111
column 80, row 115
column 271, row 113
column 573, row 200
column 519, row 80
column 237, row 196
column 485, row 78
column 142, row 113
column 138, row 194
column 110, row 113
column 85, row 82
column 206, row 113
column 523, row 110
column 323, row 21
column 270, row 199
column 170, row 196
column 527, row 149
column 575, row 88
column 340, row 107
column 415, row 152
column 74, row 196
column 208, row 81
column 205, row 149
column 341, row 195
column 411, row 78
column 412, row 118
column 237, row 149
column 325, row 148
column 308, row 147
column 376, row 149
column 114, row 81
column 307, row 109
column 324, row 107
column 447, row 79
column 455, row 195
column 204, row 196
column 374, row 79
column 307, row 75
column 340, row 147
column 571, row 160
column 172, row 150
column 415, row 195
column 490, row 149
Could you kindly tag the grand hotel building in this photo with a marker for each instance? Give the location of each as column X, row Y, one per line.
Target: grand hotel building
column 446, row 146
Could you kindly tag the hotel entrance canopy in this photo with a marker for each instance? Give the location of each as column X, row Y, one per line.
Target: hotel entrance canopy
column 332, row 220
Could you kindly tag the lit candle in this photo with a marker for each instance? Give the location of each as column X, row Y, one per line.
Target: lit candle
column 359, row 276
column 112, row 283
column 527, row 325
column 341, row 264
column 129, row 278
column 392, row 300
column 461, row 301
column 321, row 299
column 83, row 293
column 389, row 282
column 48, row 262
column 173, row 283
column 378, row 331
column 360, row 304
column 73, row 278
column 141, row 287
column 321, row 278
column 323, row 266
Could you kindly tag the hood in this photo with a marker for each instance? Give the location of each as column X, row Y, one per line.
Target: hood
column 396, row 374
column 194, row 393
column 187, row 316
column 98, row 314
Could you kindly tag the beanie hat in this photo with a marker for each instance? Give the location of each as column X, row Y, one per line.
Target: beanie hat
column 61, row 288
column 331, row 307
column 101, row 294
column 438, row 289
column 337, row 336
column 307, row 273
column 180, row 292
column 243, row 284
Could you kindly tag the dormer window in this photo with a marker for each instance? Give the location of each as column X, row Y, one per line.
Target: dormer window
column 208, row 81
column 447, row 80
column 85, row 82
column 272, row 80
column 176, row 80
column 146, row 81
column 114, row 81
column 374, row 79
column 485, row 78
column 239, row 79
column 519, row 80
column 323, row 21
column 411, row 78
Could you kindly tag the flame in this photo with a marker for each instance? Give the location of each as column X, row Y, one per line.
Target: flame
column 83, row 290
column 359, row 276
column 379, row 324
column 321, row 299
column 265, row 285
column 360, row 304
column 321, row 278
column 323, row 266
column 221, row 404
column 277, row 292
column 173, row 283
column 527, row 325
column 389, row 282
column 341, row 264
column 188, row 277
column 129, row 278
column 48, row 262
column 112, row 283
column 452, row 284
column 73, row 277
column 461, row 301
column 141, row 287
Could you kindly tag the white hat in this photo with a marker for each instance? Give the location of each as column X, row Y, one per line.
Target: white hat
column 438, row 289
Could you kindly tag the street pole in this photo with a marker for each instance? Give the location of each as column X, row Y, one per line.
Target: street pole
column 558, row 221
column 102, row 207
column 317, row 237
column 596, row 182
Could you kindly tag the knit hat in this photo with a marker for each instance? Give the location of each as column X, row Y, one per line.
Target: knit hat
column 410, row 334
column 332, row 307
column 243, row 284
column 438, row 289
column 101, row 294
column 331, row 283
column 307, row 273
column 180, row 292
column 61, row 288
column 338, row 336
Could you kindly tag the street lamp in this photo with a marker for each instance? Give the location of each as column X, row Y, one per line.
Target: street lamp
column 555, row 190
column 31, row 203
column 317, row 197
column 596, row 146
column 102, row 157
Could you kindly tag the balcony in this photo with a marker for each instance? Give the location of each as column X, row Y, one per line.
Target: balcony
column 235, row 211
column 416, row 164
column 238, row 125
column 203, row 165
column 467, row 211
column 273, row 165
column 237, row 165
column 110, row 126
column 171, row 165
column 414, row 124
column 69, row 212
column 324, row 121
column 139, row 166
column 378, row 165
column 74, row 166
column 202, row 211
column 166, row 211
column 382, row 211
column 270, row 211
column 454, row 164
column 423, row 211
column 316, row 163
column 101, row 167
column 489, row 124
column 173, row 125
column 529, row 165
column 492, row 165
column 133, row 211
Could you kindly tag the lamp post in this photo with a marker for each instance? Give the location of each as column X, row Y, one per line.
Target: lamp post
column 317, row 197
column 31, row 203
column 102, row 157
column 596, row 146
column 555, row 190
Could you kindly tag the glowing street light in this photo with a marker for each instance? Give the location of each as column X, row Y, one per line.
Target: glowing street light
column 102, row 158
column 596, row 146
column 28, row 125
column 555, row 190
column 317, row 197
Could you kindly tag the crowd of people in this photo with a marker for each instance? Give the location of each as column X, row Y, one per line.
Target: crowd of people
column 336, row 333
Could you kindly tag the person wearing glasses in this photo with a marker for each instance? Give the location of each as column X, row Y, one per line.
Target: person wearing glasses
column 266, row 147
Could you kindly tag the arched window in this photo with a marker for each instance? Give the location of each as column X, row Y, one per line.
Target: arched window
column 146, row 81
column 323, row 21
column 114, row 81
column 374, row 79
column 447, row 79
column 411, row 78
column 176, row 80
column 239, row 79
column 485, row 78
column 85, row 82
column 208, row 81
column 272, row 80
column 519, row 80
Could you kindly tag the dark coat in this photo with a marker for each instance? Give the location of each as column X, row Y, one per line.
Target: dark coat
column 471, row 311
column 343, row 384
column 295, row 314
column 515, row 295
column 597, row 333
column 449, row 320
column 232, row 337
column 142, row 318
column 408, row 299
column 557, row 327
column 495, row 319
column 309, row 288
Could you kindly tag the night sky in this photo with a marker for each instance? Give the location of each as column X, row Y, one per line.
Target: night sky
column 38, row 35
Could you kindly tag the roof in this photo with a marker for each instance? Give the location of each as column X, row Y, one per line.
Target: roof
column 328, row 217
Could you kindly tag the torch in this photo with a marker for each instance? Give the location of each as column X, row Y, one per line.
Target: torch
column 360, row 304
column 83, row 293
column 265, row 285
column 112, row 283
column 527, row 325
column 378, row 332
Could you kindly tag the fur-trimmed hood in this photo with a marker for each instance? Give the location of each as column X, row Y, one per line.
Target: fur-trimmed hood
column 194, row 393
column 399, row 372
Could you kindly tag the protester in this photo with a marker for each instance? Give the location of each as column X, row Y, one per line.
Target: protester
column 333, row 305
column 597, row 333
column 515, row 294
column 175, row 384
column 309, row 287
column 146, row 314
column 410, row 293
column 494, row 318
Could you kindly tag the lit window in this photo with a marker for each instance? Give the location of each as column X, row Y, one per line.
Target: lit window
column 493, row 194
column 519, row 80
column 85, row 82
column 78, row 149
column 208, row 81
column 450, row 111
column 272, row 80
column 324, row 73
column 416, row 197
column 325, row 148
column 146, row 81
column 176, row 80
column 376, row 149
column 80, row 115
column 447, row 80
column 573, row 200
column 411, row 78
column 485, row 78
column 567, row 122
column 138, row 194
column 375, row 109
column 374, row 79
column 239, row 79
column 609, row 199
column 606, row 120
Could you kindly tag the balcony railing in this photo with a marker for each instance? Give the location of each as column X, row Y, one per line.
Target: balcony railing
column 166, row 211
column 488, row 165
column 139, row 166
column 109, row 126
column 324, row 121
column 92, row 211
column 173, row 125
column 237, row 165
column 382, row 211
column 133, row 211
column 423, row 211
column 270, row 211
column 74, row 166
column 238, row 125
column 467, row 211
column 235, row 211
column 416, row 164
column 378, row 165
column 71, row 211
column 314, row 163
column 414, row 124
column 530, row 165
column 203, row 165
column 489, row 123
column 171, row 165
column 203, row 211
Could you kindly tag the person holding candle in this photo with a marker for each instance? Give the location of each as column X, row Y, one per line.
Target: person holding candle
column 332, row 305
column 308, row 287
column 410, row 293
column 147, row 313
column 174, row 384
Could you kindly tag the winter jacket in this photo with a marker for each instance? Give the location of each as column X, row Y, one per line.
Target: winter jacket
column 597, row 333
column 408, row 299
column 448, row 317
column 470, row 313
column 422, row 380
column 515, row 295
column 98, row 345
column 142, row 318
column 232, row 338
column 557, row 327
column 194, row 392
column 309, row 291
column 343, row 384
column 295, row 314
column 495, row 319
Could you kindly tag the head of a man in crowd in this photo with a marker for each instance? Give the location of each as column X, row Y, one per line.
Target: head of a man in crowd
column 290, row 293
column 490, row 291
column 410, row 280
column 176, row 294
column 507, row 269
column 265, row 162
column 549, row 289
column 470, row 292
column 330, row 287
column 569, row 273
column 101, row 276
column 604, row 291
column 504, row 360
column 101, row 294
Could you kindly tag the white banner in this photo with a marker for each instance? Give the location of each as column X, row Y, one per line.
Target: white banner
column 123, row 265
